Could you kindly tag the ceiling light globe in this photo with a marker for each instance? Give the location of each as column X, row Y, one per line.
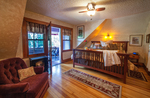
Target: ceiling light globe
column 91, row 13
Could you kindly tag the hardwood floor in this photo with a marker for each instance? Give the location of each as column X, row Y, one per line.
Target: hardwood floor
column 62, row 86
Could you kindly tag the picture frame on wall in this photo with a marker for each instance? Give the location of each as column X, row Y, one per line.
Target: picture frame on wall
column 135, row 40
column 148, row 38
column 81, row 31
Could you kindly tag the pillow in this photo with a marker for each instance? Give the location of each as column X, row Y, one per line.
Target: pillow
column 106, row 43
column 131, row 66
column 95, row 45
column 92, row 45
column 25, row 73
column 113, row 46
column 103, row 44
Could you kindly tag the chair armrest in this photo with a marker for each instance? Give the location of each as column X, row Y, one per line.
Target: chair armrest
column 39, row 70
column 14, row 88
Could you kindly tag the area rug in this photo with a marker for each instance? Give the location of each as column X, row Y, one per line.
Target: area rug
column 137, row 75
column 111, row 89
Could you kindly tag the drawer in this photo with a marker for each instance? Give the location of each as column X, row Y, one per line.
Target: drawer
column 134, row 56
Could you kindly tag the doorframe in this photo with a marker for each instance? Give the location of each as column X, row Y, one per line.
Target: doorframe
column 60, row 41
column 63, row 27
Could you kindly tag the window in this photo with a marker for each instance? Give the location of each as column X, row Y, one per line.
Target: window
column 35, row 43
column 67, row 39
column 36, row 33
column 34, row 38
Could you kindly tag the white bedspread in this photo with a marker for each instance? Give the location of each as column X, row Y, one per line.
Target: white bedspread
column 111, row 57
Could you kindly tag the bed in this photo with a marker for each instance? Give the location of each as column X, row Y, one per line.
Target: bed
column 93, row 59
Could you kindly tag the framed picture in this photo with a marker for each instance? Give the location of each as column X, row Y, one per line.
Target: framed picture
column 147, row 38
column 136, row 40
column 81, row 32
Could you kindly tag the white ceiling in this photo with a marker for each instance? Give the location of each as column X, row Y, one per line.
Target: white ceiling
column 67, row 10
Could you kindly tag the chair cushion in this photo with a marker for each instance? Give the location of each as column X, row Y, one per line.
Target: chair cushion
column 25, row 73
column 36, row 82
column 9, row 70
column 14, row 88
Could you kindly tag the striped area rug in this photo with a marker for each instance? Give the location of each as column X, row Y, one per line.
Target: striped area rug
column 111, row 89
column 137, row 75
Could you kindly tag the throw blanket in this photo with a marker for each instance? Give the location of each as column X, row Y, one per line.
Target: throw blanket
column 110, row 58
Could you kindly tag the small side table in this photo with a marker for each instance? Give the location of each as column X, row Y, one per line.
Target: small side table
column 134, row 59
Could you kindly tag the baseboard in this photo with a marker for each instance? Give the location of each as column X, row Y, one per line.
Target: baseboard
column 146, row 69
column 69, row 59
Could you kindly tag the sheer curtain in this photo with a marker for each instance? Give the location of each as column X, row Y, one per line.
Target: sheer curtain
column 37, row 28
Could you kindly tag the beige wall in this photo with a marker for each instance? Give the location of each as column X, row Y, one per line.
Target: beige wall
column 11, row 16
column 89, row 28
column 93, row 34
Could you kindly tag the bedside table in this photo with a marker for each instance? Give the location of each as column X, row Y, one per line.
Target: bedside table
column 134, row 59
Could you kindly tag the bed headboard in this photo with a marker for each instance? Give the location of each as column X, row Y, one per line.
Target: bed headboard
column 123, row 44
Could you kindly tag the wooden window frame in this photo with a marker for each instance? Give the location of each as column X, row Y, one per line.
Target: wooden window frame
column 25, row 38
column 71, row 41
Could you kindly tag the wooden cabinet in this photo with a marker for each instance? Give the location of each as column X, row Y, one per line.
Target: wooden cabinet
column 43, row 59
column 134, row 59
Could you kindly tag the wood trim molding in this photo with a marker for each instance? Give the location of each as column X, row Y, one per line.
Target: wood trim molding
column 24, row 39
column 36, row 21
column 113, row 41
column 66, row 60
column 146, row 69
column 67, row 50
column 59, row 26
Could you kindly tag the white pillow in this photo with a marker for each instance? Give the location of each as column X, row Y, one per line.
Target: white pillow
column 104, row 44
column 25, row 73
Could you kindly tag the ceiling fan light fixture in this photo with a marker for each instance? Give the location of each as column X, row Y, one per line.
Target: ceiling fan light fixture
column 91, row 13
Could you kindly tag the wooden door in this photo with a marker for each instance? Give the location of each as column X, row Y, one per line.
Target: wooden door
column 49, row 47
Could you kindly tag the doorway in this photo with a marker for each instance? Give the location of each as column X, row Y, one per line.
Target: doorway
column 56, row 45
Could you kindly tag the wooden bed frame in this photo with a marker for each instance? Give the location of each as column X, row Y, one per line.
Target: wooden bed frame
column 96, row 61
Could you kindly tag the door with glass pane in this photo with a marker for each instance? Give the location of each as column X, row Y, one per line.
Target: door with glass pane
column 49, row 48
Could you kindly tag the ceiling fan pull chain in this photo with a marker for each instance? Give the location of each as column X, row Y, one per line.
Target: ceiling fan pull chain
column 91, row 18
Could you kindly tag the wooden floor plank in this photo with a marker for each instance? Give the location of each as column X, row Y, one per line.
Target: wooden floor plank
column 63, row 86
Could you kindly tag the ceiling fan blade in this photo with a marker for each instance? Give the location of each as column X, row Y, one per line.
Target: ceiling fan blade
column 82, row 11
column 100, row 9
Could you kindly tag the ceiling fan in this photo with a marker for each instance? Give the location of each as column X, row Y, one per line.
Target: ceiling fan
column 91, row 9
